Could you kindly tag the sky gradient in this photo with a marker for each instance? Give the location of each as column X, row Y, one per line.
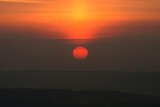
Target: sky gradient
column 119, row 35
column 37, row 39
column 78, row 19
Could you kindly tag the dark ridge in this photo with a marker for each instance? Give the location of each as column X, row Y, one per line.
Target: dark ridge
column 68, row 98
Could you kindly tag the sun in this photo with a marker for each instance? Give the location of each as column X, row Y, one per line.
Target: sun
column 80, row 53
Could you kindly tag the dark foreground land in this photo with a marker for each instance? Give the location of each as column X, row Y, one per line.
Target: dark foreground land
column 67, row 98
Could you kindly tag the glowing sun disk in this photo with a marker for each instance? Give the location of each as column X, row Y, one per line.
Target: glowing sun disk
column 80, row 53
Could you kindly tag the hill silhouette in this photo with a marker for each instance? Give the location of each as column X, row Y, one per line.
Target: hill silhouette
column 68, row 98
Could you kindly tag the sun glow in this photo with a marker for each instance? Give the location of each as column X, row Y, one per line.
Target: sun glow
column 79, row 11
column 74, row 19
column 77, row 19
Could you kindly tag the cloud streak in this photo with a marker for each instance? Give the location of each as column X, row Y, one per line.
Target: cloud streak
column 23, row 1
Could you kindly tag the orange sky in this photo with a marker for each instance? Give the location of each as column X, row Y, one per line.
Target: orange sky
column 78, row 18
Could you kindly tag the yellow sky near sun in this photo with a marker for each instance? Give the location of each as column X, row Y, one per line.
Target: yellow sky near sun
column 82, row 9
column 80, row 15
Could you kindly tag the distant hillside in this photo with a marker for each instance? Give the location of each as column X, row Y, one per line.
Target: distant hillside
column 67, row 98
